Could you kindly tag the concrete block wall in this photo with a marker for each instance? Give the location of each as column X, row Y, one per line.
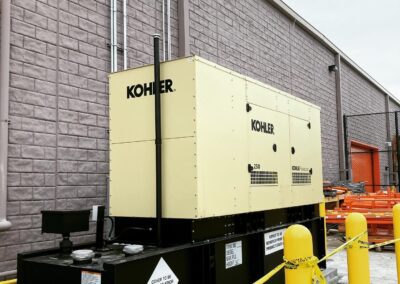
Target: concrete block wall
column 255, row 39
column 360, row 96
column 58, row 141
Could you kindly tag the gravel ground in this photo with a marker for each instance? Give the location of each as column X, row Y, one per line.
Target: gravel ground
column 382, row 264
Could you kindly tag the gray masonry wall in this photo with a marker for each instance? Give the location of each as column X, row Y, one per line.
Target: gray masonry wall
column 58, row 139
column 360, row 96
column 255, row 39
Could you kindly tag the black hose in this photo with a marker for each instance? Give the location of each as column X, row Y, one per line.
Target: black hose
column 112, row 225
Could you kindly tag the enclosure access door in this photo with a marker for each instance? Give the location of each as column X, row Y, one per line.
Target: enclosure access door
column 365, row 165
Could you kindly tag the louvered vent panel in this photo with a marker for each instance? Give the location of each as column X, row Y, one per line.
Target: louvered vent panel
column 301, row 178
column 264, row 177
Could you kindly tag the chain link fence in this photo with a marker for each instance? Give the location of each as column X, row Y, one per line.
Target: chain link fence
column 372, row 150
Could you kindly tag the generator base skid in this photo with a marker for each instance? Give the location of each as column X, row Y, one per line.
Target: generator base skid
column 248, row 248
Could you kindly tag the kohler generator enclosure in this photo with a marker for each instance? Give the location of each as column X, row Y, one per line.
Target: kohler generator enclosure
column 207, row 181
column 231, row 145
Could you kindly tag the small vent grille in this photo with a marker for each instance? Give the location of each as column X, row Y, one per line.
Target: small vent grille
column 301, row 178
column 263, row 177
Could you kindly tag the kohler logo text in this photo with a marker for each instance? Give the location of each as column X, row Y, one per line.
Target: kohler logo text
column 147, row 89
column 261, row 126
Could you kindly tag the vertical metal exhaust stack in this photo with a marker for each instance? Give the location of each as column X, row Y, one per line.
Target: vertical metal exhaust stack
column 158, row 141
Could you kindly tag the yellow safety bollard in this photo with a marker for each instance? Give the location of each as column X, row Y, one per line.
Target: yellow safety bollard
column 357, row 253
column 13, row 281
column 297, row 242
column 396, row 229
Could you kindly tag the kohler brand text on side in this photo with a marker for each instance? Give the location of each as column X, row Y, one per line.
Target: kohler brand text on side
column 138, row 90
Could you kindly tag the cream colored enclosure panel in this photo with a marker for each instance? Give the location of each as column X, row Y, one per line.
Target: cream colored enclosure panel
column 268, row 158
column 209, row 143
column 299, row 109
column 132, row 102
column 306, row 164
column 132, row 179
column 258, row 94
column 222, row 142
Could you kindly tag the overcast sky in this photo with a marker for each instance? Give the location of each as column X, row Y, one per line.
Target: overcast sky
column 368, row 31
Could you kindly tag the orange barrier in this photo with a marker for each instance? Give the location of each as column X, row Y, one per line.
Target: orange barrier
column 376, row 208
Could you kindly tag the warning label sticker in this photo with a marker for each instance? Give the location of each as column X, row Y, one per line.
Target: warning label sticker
column 163, row 274
column 273, row 241
column 233, row 254
column 88, row 277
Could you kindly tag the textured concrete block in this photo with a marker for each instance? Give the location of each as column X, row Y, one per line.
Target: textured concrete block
column 19, row 165
column 77, row 105
column 13, row 179
column 34, row 45
column 44, row 166
column 42, row 139
column 87, row 143
column 97, row 132
column 19, row 193
column 31, row 179
column 87, row 119
column 35, row 152
column 87, row 167
column 67, row 166
column 22, row 27
column 72, row 154
column 87, row 25
column 38, row 125
column 68, row 42
column 87, row 191
column 68, row 116
column 45, row 87
column 43, row 193
column 22, row 82
column 77, row 10
column 46, row 35
column 66, row 191
column 78, row 34
column 45, row 113
column 77, row 129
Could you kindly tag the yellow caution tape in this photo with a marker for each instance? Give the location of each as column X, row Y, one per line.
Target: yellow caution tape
column 384, row 244
column 313, row 261
column 270, row 274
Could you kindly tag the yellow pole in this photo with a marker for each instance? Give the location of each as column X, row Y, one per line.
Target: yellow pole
column 297, row 242
column 14, row 281
column 357, row 252
column 396, row 229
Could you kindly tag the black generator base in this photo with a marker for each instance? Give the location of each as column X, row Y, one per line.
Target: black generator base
column 237, row 256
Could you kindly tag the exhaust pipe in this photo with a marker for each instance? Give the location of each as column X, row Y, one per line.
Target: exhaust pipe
column 158, row 141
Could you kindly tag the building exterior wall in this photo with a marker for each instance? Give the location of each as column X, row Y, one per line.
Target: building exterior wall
column 360, row 97
column 255, row 39
column 58, row 142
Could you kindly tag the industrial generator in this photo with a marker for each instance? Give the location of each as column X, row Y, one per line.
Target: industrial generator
column 208, row 168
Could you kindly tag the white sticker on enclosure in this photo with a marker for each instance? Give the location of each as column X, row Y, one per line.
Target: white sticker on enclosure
column 88, row 277
column 163, row 274
column 273, row 241
column 233, row 254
